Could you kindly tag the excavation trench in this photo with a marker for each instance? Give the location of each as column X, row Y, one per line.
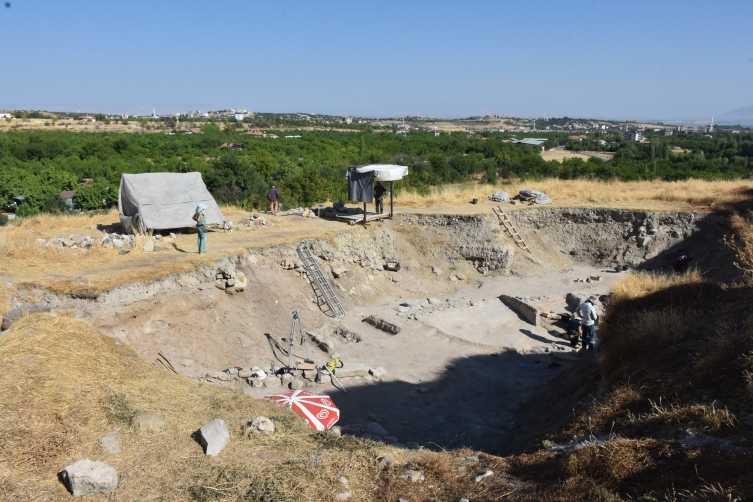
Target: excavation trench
column 463, row 365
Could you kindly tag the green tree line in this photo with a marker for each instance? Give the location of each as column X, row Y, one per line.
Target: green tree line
column 311, row 169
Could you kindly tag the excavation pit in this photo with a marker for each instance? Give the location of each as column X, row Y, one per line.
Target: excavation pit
column 463, row 363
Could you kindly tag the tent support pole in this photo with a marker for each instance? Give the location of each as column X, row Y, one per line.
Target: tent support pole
column 392, row 189
column 364, row 214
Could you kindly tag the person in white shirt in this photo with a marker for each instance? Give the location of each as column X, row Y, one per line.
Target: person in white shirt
column 588, row 316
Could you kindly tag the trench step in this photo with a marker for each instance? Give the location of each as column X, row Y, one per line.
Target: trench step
column 510, row 228
column 321, row 283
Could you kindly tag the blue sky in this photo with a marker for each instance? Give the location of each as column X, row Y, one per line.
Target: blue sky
column 605, row 59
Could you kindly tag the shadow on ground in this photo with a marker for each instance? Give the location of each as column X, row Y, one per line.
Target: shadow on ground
column 473, row 402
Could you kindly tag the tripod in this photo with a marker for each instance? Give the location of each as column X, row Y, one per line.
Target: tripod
column 296, row 320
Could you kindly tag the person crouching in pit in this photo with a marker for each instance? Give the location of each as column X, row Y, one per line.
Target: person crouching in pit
column 588, row 315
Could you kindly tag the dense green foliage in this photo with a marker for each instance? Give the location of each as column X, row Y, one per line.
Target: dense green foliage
column 311, row 168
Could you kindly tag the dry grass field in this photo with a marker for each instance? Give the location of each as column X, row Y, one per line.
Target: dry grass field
column 561, row 155
column 679, row 196
column 26, row 261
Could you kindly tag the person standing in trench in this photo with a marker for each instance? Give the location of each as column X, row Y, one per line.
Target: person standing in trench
column 201, row 227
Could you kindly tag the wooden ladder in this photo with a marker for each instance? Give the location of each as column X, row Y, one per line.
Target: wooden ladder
column 507, row 224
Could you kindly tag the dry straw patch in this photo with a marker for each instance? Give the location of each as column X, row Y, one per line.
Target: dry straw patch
column 64, row 385
column 643, row 195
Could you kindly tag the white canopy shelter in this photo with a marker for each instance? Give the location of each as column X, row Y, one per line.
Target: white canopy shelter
column 160, row 201
column 385, row 172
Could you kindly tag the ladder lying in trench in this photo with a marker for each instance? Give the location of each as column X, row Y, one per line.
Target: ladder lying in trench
column 507, row 224
column 321, row 284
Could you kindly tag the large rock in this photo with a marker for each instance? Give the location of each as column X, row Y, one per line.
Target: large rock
column 214, row 436
column 17, row 313
column 260, row 425
column 149, row 246
column 376, row 429
column 339, row 271
column 86, row 477
column 296, row 384
column 272, row 381
column 352, row 370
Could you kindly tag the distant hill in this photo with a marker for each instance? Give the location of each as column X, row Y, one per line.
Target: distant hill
column 742, row 115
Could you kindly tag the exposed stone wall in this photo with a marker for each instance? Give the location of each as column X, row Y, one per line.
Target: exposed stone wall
column 643, row 239
column 478, row 239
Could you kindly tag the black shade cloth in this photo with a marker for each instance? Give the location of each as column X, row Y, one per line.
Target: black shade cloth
column 360, row 186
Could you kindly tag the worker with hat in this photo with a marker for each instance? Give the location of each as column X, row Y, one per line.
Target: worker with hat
column 273, row 196
column 587, row 313
column 201, row 227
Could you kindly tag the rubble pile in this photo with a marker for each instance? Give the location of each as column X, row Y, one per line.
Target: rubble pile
column 83, row 243
column 296, row 379
column 227, row 281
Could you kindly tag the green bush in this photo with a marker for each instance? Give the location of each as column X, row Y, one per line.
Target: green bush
column 96, row 195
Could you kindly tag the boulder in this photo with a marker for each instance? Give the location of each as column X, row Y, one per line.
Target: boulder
column 339, row 271
column 17, row 313
column 149, row 424
column 110, row 443
column 434, row 301
column 214, row 436
column 260, row 425
column 376, row 429
column 149, row 246
column 287, row 378
column 385, row 461
column 86, row 477
column 500, row 197
column 352, row 370
column 272, row 381
column 389, row 439
column 296, row 384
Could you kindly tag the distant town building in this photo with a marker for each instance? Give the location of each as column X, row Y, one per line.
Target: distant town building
column 632, row 136
column 257, row 134
column 438, row 132
column 239, row 117
column 668, row 132
column 348, row 120
column 4, row 114
column 87, row 118
column 233, row 146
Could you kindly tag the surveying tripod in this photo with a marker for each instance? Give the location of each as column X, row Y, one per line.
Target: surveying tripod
column 296, row 321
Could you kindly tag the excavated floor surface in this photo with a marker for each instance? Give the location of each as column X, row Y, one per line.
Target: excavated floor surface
column 459, row 371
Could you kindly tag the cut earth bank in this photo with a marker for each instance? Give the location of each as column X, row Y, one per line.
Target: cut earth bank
column 463, row 363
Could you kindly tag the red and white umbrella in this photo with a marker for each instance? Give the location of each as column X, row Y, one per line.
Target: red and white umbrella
column 319, row 411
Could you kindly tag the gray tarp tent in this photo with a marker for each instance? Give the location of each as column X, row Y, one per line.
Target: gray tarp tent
column 159, row 201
